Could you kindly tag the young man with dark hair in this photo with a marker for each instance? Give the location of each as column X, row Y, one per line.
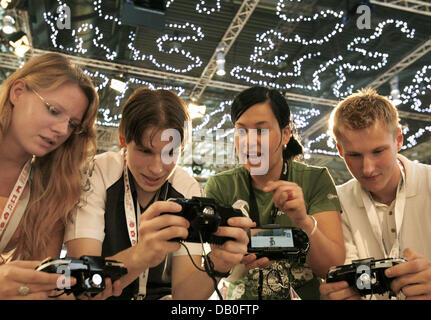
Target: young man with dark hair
column 120, row 216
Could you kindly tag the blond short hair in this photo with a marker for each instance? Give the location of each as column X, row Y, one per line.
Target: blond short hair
column 362, row 110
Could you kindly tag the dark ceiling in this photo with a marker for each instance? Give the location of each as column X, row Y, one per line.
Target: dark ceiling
column 313, row 51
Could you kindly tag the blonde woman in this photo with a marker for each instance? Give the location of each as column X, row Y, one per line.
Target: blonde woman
column 47, row 113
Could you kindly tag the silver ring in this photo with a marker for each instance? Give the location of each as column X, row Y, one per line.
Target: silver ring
column 23, row 290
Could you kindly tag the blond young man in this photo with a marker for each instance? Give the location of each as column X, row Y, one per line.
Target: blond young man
column 386, row 207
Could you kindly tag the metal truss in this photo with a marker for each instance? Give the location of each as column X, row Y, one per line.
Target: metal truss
column 9, row 61
column 117, row 67
column 234, row 29
column 419, row 52
column 12, row 62
column 415, row 6
column 317, row 126
column 107, row 138
column 311, row 99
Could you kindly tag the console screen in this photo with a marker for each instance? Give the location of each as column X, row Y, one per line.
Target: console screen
column 279, row 237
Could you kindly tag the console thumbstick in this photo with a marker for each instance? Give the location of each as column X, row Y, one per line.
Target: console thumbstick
column 96, row 280
column 365, row 279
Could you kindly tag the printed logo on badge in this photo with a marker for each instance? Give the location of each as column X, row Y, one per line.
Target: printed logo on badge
column 331, row 196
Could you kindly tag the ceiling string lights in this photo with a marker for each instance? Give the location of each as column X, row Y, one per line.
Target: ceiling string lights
column 330, row 143
column 197, row 36
column 249, row 73
column 101, row 81
column 95, row 75
column 260, row 77
column 201, row 7
column 177, row 89
column 77, row 34
column 419, row 87
column 266, row 39
column 294, row 77
column 412, row 139
column 380, row 58
column 78, row 47
column 98, row 8
column 301, row 118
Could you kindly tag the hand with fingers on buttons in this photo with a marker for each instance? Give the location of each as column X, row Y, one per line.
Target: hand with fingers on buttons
column 251, row 261
column 412, row 278
column 20, row 280
column 155, row 232
column 338, row 291
column 288, row 197
column 231, row 253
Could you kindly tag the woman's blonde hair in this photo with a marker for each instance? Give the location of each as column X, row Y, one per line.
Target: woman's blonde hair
column 55, row 186
column 362, row 110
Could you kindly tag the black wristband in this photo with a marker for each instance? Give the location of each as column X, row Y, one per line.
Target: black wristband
column 210, row 269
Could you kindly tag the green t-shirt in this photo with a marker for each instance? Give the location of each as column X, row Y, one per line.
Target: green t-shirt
column 232, row 187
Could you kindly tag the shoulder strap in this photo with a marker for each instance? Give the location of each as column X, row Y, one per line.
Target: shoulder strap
column 254, row 210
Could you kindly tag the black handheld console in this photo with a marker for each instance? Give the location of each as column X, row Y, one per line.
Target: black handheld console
column 276, row 242
column 90, row 273
column 367, row 276
column 205, row 216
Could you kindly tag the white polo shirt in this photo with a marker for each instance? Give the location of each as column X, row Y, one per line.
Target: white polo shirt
column 363, row 230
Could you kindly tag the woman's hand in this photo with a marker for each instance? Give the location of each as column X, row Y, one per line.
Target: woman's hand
column 288, row 197
column 250, row 261
column 20, row 280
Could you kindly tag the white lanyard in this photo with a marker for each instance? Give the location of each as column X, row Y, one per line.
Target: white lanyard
column 400, row 201
column 132, row 224
column 13, row 212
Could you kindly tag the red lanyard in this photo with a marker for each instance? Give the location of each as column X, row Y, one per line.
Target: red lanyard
column 11, row 205
column 132, row 222
column 129, row 209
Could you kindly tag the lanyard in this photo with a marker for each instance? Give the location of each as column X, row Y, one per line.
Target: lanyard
column 254, row 210
column 132, row 221
column 129, row 209
column 400, row 201
column 13, row 212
